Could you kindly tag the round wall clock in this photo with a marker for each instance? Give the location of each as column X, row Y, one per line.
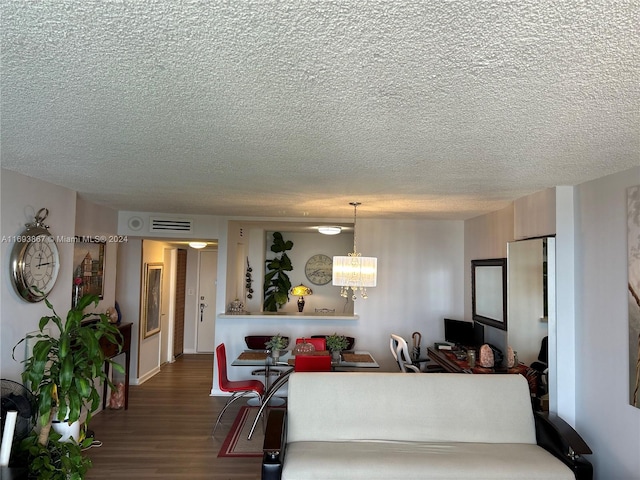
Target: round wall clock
column 35, row 260
column 318, row 269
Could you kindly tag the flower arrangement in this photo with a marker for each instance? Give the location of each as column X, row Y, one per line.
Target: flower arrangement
column 337, row 343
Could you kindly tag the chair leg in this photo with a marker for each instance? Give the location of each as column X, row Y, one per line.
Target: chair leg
column 284, row 378
column 232, row 399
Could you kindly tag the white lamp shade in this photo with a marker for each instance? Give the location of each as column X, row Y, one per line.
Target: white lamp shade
column 355, row 271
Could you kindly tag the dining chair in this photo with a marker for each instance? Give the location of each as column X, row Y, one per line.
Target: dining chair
column 400, row 351
column 312, row 363
column 238, row 388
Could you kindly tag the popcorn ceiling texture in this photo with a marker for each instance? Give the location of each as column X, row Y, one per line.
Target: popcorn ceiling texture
column 420, row 109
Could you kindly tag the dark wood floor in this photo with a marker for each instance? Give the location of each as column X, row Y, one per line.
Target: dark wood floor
column 165, row 433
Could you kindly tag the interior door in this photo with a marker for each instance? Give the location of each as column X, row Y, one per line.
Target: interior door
column 207, row 280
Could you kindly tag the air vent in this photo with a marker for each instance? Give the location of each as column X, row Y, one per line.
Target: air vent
column 167, row 225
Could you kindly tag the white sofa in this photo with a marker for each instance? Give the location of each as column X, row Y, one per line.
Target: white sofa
column 351, row 426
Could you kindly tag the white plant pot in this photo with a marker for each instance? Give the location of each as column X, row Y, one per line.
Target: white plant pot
column 67, row 431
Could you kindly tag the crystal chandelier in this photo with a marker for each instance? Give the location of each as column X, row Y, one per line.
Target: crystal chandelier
column 354, row 271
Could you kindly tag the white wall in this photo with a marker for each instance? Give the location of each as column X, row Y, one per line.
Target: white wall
column 486, row 237
column 603, row 415
column 304, row 246
column 420, row 281
column 128, row 294
column 22, row 196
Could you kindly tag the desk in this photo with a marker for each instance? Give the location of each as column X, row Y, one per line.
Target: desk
column 110, row 350
column 448, row 360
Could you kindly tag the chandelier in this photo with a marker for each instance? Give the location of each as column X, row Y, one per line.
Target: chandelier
column 354, row 271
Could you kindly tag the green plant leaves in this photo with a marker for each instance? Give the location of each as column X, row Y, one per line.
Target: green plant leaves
column 56, row 460
column 62, row 373
column 276, row 282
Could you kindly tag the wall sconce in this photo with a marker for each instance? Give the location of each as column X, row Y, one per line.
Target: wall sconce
column 300, row 291
column 354, row 271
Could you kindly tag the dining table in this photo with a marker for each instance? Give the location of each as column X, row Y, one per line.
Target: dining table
column 350, row 360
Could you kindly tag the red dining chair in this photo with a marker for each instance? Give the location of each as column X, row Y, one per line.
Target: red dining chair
column 319, row 343
column 312, row 363
column 238, row 388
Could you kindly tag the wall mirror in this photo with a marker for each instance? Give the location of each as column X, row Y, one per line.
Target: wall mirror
column 532, row 306
column 489, row 292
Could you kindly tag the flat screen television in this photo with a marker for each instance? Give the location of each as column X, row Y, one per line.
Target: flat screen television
column 459, row 332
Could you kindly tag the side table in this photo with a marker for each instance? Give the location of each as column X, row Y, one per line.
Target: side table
column 110, row 350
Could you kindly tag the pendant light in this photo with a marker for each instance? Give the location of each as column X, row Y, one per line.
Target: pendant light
column 354, row 271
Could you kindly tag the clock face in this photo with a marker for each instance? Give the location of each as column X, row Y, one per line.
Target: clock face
column 35, row 263
column 318, row 269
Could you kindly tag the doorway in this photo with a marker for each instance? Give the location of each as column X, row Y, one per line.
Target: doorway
column 207, row 282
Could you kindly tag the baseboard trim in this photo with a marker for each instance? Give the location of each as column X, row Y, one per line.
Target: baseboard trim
column 147, row 376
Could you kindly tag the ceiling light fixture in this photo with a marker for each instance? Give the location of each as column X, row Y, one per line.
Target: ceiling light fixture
column 330, row 230
column 354, row 271
column 197, row 245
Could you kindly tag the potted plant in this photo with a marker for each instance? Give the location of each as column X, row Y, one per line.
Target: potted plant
column 335, row 344
column 61, row 374
column 276, row 280
column 276, row 345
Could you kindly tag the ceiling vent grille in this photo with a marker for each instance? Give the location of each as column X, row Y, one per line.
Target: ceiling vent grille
column 167, row 225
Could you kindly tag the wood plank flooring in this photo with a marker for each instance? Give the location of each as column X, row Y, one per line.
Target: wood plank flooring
column 165, row 433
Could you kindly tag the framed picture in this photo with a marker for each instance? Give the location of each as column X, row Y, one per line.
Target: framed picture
column 489, row 292
column 152, row 299
column 88, row 268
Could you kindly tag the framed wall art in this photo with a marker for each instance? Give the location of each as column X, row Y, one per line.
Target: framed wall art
column 88, row 268
column 152, row 299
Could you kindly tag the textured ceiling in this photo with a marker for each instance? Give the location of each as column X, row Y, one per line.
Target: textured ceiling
column 417, row 109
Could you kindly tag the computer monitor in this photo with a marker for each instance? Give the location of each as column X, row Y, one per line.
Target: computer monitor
column 459, row 332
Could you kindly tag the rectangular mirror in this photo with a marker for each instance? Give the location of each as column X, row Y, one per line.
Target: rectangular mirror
column 532, row 306
column 489, row 292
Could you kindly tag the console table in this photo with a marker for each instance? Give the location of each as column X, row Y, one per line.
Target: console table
column 110, row 350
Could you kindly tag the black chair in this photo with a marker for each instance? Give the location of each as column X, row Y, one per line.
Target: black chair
column 542, row 367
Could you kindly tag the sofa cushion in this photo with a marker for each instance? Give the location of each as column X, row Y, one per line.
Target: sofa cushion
column 437, row 407
column 425, row 461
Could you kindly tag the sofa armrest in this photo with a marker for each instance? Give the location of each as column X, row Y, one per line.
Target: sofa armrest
column 274, row 445
column 560, row 439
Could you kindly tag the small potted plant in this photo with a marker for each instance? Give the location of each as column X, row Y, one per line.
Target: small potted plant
column 335, row 344
column 275, row 345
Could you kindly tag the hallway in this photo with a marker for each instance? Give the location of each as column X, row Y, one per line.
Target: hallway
column 165, row 433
